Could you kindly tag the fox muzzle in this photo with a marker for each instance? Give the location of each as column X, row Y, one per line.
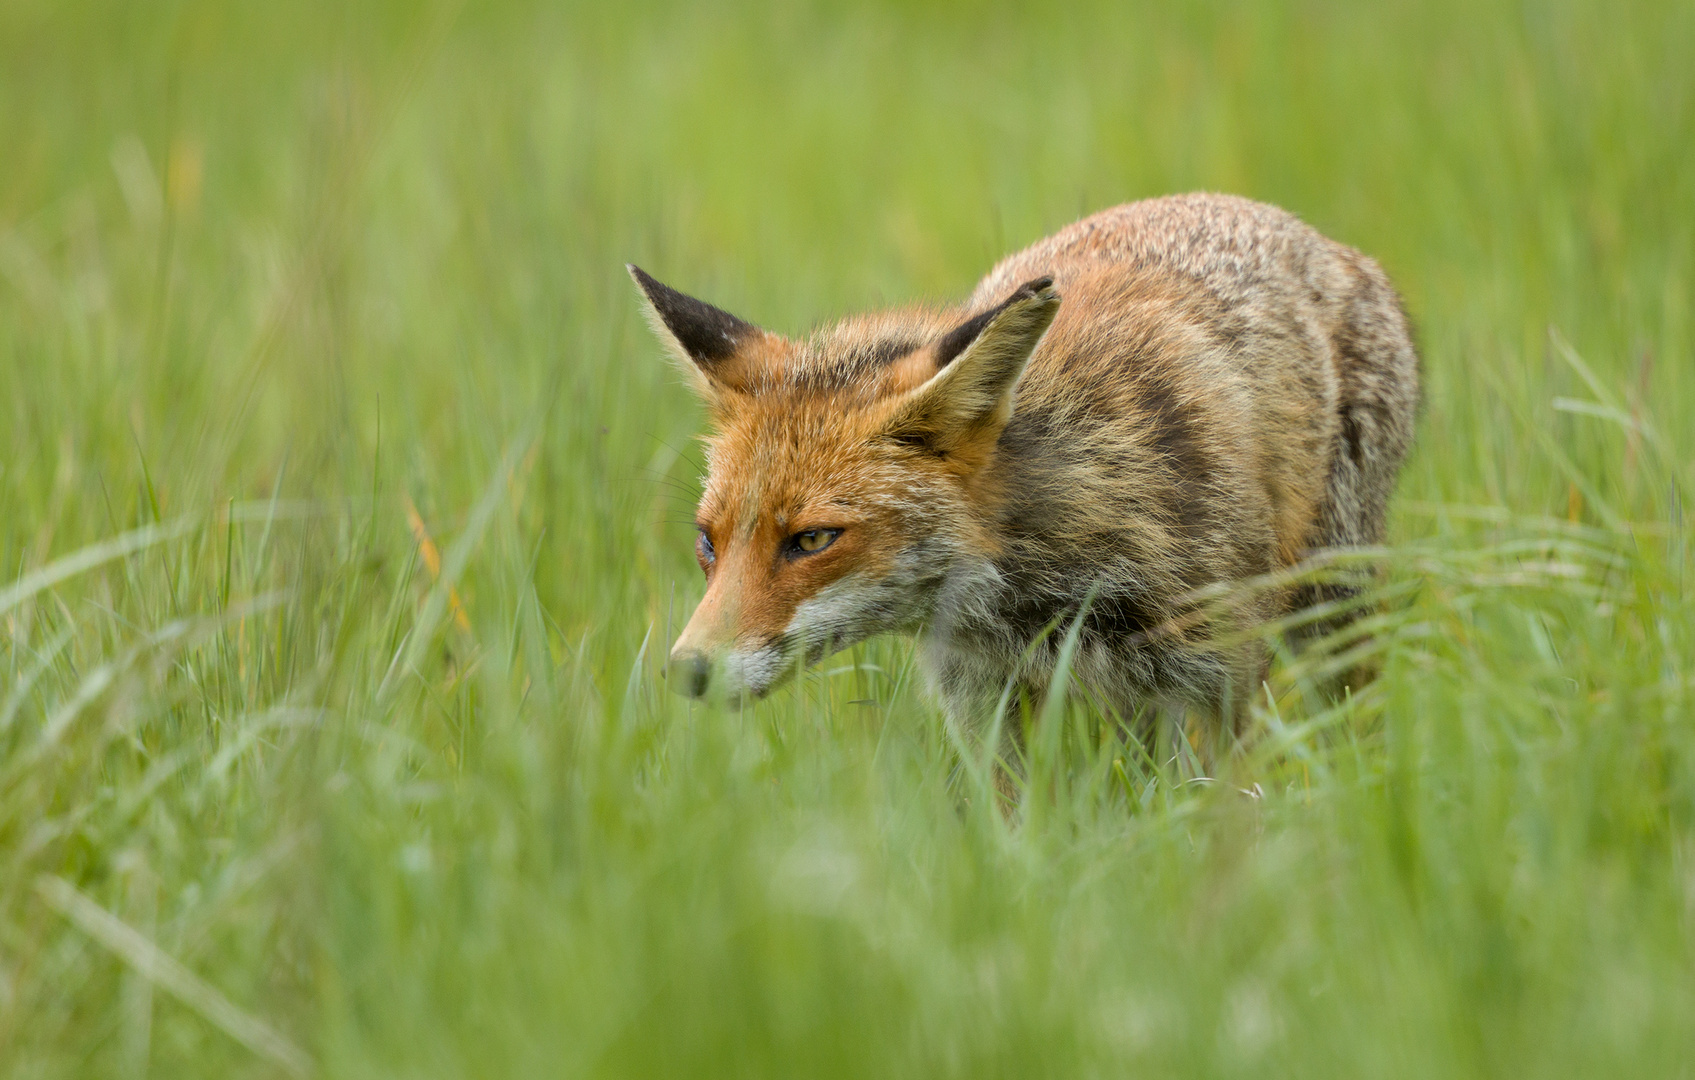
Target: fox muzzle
column 689, row 673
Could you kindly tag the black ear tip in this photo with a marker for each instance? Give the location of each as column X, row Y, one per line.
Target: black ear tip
column 1039, row 289
column 657, row 292
column 703, row 331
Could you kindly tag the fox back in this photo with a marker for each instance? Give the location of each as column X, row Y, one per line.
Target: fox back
column 1155, row 402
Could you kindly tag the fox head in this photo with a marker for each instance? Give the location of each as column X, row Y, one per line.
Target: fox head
column 847, row 474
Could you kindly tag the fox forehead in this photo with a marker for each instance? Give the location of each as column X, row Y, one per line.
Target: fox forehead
column 788, row 462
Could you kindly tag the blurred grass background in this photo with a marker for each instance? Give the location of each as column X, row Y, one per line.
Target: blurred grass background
column 343, row 514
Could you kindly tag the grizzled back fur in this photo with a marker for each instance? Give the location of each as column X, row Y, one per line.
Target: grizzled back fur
column 1169, row 395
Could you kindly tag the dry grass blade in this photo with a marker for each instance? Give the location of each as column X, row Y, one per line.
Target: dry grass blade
column 436, row 605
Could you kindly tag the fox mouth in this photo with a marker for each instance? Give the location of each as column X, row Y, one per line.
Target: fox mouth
column 750, row 675
column 734, row 677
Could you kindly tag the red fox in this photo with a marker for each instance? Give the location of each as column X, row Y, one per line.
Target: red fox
column 1169, row 395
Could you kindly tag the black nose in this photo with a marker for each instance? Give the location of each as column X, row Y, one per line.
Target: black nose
column 689, row 674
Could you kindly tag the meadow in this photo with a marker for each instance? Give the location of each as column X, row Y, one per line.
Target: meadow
column 344, row 521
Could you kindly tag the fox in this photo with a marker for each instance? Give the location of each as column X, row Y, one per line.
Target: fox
column 1161, row 399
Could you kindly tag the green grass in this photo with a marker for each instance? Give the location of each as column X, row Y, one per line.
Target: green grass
column 271, row 799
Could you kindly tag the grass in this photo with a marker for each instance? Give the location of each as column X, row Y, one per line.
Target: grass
column 343, row 503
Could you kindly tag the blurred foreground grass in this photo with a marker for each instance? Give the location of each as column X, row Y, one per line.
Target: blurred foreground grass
column 343, row 504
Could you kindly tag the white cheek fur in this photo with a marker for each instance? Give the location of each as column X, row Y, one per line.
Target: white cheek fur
column 744, row 671
column 836, row 606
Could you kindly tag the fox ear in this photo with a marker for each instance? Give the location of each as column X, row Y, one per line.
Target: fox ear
column 980, row 360
column 706, row 338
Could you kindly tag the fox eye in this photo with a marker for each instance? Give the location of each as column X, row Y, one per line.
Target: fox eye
column 703, row 548
column 812, row 541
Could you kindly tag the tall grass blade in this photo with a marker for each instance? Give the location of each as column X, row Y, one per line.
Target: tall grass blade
column 164, row 971
column 85, row 559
